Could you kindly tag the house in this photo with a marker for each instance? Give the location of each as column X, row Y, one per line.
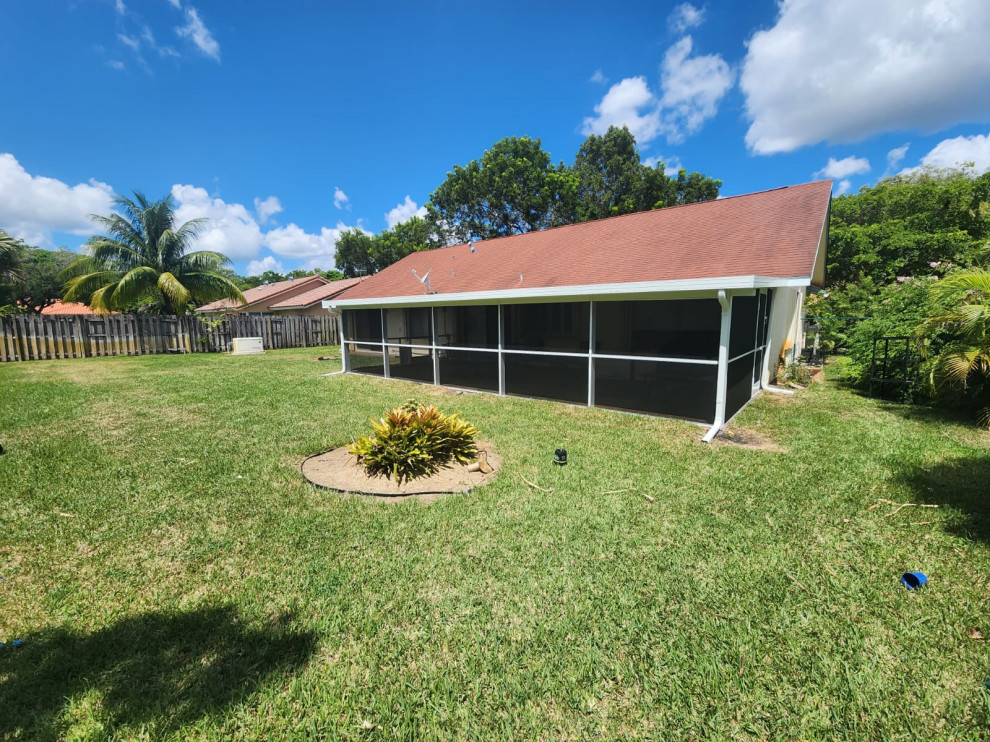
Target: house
column 683, row 311
column 259, row 299
column 310, row 303
column 59, row 307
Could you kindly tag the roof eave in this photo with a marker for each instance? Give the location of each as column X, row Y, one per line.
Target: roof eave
column 569, row 292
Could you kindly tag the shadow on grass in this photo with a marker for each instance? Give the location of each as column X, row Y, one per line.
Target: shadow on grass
column 165, row 669
column 963, row 484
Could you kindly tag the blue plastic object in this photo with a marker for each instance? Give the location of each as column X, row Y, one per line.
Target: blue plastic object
column 914, row 580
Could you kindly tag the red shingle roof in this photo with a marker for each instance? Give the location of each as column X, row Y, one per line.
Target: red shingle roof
column 317, row 294
column 71, row 307
column 774, row 234
column 259, row 293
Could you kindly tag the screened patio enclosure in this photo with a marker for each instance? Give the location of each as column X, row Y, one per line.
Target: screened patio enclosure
column 677, row 357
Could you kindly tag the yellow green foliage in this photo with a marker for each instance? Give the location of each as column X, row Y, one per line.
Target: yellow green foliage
column 414, row 440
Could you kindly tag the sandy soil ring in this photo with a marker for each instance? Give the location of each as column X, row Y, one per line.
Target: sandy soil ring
column 338, row 470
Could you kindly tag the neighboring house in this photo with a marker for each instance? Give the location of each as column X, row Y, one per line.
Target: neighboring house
column 67, row 307
column 310, row 303
column 260, row 299
column 683, row 311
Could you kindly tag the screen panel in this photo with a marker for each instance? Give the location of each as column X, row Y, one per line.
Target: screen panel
column 363, row 325
column 678, row 328
column 742, row 332
column 471, row 369
column 410, row 326
column 366, row 359
column 656, row 387
column 739, row 385
column 548, row 377
column 410, row 363
column 559, row 326
column 467, row 326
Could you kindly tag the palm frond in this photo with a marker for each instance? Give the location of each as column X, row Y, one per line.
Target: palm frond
column 206, row 286
column 10, row 259
column 175, row 293
column 100, row 301
column 955, row 363
column 203, row 260
column 83, row 287
column 135, row 284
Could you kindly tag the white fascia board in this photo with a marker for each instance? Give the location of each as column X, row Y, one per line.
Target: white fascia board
column 639, row 289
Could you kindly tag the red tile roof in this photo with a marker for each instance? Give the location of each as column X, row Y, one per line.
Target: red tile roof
column 774, row 234
column 71, row 307
column 260, row 293
column 317, row 294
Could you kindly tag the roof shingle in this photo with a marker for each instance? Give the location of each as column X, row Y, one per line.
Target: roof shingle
column 773, row 233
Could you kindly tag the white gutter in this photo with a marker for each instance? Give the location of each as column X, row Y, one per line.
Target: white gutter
column 584, row 291
column 723, row 368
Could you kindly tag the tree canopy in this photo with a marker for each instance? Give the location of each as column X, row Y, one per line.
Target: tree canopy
column 30, row 282
column 143, row 261
column 514, row 187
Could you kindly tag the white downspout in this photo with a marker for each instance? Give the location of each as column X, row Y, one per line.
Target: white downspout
column 723, row 367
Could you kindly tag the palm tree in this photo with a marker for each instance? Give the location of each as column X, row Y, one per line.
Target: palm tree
column 964, row 363
column 10, row 259
column 144, row 257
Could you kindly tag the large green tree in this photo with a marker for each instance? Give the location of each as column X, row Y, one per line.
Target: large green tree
column 353, row 253
column 611, row 179
column 143, row 259
column 903, row 224
column 513, row 188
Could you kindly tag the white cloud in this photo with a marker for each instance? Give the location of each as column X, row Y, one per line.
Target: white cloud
column 268, row 263
column 627, row 103
column 403, row 212
column 267, row 208
column 340, row 199
column 685, row 16
column 843, row 187
column 844, row 168
column 958, row 151
column 175, row 4
column 33, row 206
column 120, row 7
column 231, row 229
column 598, row 77
column 197, row 32
column 692, row 88
column 671, row 164
column 844, row 70
column 114, row 64
column 292, row 241
column 131, row 41
column 895, row 156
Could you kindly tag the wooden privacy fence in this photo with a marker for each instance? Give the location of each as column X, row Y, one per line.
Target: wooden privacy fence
column 32, row 337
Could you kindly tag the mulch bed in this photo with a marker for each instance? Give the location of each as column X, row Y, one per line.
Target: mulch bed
column 339, row 470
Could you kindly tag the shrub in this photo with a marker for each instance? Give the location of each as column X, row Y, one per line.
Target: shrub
column 414, row 440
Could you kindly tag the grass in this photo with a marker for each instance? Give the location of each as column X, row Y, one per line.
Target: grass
column 171, row 576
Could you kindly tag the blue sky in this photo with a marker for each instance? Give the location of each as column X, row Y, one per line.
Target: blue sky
column 286, row 123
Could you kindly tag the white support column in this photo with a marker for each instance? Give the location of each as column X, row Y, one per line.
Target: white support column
column 434, row 351
column 345, row 354
column 765, row 371
column 723, row 366
column 385, row 368
column 591, row 351
column 501, row 345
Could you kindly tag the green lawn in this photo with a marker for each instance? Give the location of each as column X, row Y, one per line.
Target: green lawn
column 171, row 575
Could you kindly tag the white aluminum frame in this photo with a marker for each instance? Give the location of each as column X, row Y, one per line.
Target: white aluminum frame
column 502, row 351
